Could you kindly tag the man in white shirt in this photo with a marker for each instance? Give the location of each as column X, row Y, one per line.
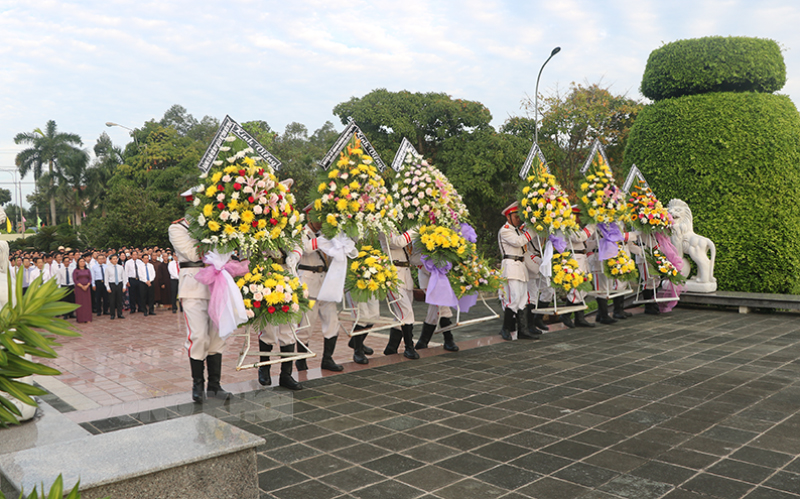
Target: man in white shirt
column 134, row 271
column 174, row 278
column 39, row 270
column 57, row 269
column 146, row 286
column 98, row 283
column 115, row 283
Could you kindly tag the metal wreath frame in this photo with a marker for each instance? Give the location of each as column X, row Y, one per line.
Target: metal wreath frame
column 458, row 324
column 350, row 312
column 606, row 293
column 555, row 309
column 281, row 356
column 644, row 277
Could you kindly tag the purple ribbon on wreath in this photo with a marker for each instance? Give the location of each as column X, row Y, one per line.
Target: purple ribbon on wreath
column 468, row 233
column 610, row 235
column 439, row 291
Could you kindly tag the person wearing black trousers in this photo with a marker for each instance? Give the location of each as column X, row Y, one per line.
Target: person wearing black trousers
column 115, row 283
column 134, row 270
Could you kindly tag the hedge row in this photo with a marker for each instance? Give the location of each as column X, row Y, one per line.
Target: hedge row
column 735, row 159
column 714, row 64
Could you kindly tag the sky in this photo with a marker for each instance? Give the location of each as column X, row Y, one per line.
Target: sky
column 84, row 63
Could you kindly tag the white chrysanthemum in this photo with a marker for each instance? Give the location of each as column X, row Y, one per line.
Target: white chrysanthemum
column 224, row 148
column 196, row 202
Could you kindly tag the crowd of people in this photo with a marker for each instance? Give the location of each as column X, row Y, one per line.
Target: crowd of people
column 113, row 282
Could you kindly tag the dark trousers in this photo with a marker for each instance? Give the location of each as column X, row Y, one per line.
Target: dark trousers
column 134, row 295
column 115, row 299
column 70, row 297
column 173, row 293
column 100, row 298
column 147, row 295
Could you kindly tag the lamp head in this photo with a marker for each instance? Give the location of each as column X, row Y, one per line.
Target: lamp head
column 555, row 51
column 109, row 123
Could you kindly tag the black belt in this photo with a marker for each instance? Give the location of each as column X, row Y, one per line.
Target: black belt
column 398, row 263
column 514, row 258
column 191, row 265
column 579, row 252
column 318, row 268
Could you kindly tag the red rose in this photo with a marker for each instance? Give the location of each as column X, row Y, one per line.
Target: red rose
column 254, row 223
column 220, row 187
column 221, row 206
column 190, row 198
column 241, row 173
column 285, row 308
column 257, row 304
column 251, row 199
column 271, row 310
column 261, row 171
column 237, row 186
column 273, row 221
column 280, row 196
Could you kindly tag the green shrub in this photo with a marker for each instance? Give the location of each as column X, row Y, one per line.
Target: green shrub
column 714, row 64
column 735, row 159
column 56, row 492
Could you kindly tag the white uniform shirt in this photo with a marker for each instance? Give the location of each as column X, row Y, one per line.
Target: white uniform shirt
column 185, row 247
column 512, row 243
column 398, row 253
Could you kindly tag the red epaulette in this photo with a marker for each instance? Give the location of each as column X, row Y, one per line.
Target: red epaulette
column 505, row 226
column 179, row 220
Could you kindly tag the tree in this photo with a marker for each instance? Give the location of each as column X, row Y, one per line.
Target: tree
column 48, row 147
column 425, row 119
column 71, row 191
column 5, row 196
column 571, row 122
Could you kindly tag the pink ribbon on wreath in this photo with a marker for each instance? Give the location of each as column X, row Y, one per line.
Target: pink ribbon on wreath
column 669, row 289
column 226, row 306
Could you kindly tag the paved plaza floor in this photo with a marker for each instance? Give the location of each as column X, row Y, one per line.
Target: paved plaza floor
column 688, row 405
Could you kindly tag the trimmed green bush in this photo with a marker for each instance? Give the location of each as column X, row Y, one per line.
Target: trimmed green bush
column 714, row 64
column 735, row 159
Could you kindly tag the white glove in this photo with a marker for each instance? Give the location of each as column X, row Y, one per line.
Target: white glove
column 292, row 259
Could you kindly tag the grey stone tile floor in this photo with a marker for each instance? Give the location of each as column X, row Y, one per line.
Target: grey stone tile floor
column 688, row 405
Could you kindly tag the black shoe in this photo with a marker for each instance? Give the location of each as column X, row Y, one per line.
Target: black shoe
column 449, row 344
column 425, row 336
column 99, row 315
column 174, row 311
column 602, row 313
column 408, row 340
column 198, row 380
column 650, row 308
column 121, row 316
column 359, row 350
column 524, row 330
column 112, row 317
column 619, row 308
column 395, row 336
column 301, row 364
column 145, row 314
column 214, row 389
column 286, row 380
column 580, row 320
column 538, row 319
column 264, row 377
column 509, row 323
column 327, row 355
column 567, row 321
column 351, row 344
column 152, row 313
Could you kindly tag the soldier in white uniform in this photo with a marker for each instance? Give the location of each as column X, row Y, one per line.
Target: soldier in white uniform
column 436, row 315
column 513, row 240
column 574, row 296
column 395, row 246
column 203, row 341
column 603, row 283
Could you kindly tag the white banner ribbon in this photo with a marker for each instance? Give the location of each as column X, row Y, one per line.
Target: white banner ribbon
column 339, row 248
column 546, row 267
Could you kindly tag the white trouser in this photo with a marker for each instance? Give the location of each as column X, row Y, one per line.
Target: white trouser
column 325, row 311
column 368, row 311
column 514, row 295
column 403, row 307
column 202, row 337
column 539, row 290
column 435, row 311
column 281, row 333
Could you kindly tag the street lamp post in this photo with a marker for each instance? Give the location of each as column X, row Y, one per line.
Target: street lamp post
column 536, row 98
column 111, row 123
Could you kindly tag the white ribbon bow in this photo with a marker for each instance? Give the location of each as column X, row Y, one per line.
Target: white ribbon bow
column 339, row 248
column 546, row 267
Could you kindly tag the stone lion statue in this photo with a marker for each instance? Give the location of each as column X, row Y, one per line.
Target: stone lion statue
column 696, row 246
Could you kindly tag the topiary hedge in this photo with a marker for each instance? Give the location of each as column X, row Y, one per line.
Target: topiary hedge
column 714, row 64
column 735, row 159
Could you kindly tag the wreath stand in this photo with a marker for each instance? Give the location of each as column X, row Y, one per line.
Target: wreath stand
column 646, row 276
column 607, row 292
column 350, row 312
column 281, row 356
column 555, row 309
column 458, row 324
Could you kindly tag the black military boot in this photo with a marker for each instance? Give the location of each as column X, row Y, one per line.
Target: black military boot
column 508, row 324
column 198, row 380
column 425, row 336
column 408, row 340
column 264, row 378
column 602, row 313
column 650, row 308
column 524, row 331
column 359, row 350
column 538, row 319
column 286, row 380
column 449, row 344
column 301, row 363
column 580, row 320
column 567, row 320
column 351, row 343
column 214, row 389
column 395, row 335
column 327, row 356
column 619, row 308
column 530, row 317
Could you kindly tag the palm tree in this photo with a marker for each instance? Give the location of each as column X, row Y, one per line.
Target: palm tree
column 71, row 190
column 48, row 147
column 109, row 157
